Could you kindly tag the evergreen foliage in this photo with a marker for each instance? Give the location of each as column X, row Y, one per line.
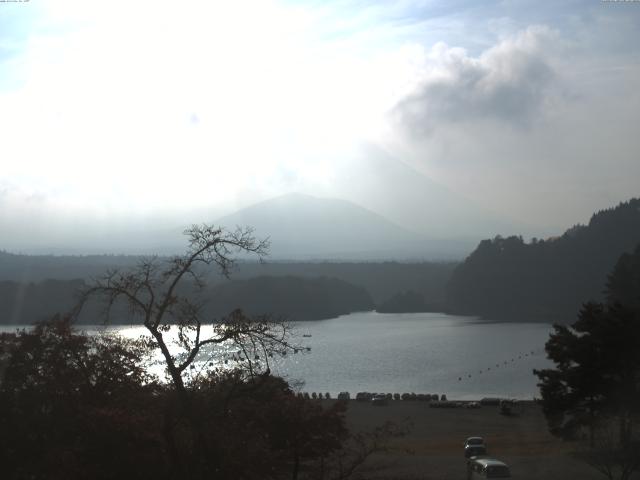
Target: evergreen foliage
column 594, row 390
column 544, row 280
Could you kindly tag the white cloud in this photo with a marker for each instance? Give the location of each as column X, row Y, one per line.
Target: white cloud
column 538, row 126
column 510, row 82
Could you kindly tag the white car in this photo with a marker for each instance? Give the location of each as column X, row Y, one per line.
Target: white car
column 487, row 468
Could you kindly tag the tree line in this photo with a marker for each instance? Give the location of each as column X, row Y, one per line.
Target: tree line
column 544, row 280
column 296, row 298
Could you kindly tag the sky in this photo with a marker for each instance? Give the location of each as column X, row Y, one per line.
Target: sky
column 153, row 113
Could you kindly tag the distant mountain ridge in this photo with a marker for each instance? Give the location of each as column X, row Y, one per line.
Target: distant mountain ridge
column 545, row 280
column 306, row 227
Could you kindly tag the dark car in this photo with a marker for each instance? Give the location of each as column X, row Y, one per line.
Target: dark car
column 474, row 451
column 474, row 441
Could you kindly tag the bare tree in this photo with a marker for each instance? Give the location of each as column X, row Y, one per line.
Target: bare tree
column 164, row 294
column 614, row 459
column 349, row 462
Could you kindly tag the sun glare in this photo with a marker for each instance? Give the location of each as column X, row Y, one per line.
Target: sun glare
column 182, row 106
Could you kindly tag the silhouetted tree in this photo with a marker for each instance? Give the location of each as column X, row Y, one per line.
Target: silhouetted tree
column 596, row 382
column 72, row 403
column 623, row 284
column 545, row 280
column 77, row 406
column 164, row 295
column 597, row 370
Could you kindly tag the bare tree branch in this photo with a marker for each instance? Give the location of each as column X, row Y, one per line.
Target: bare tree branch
column 153, row 291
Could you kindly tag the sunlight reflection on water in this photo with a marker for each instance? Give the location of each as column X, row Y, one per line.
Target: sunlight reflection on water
column 463, row 357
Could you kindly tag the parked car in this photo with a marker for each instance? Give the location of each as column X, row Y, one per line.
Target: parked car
column 474, row 441
column 474, row 451
column 487, row 468
column 379, row 400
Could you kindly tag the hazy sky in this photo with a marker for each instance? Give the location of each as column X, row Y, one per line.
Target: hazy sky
column 112, row 111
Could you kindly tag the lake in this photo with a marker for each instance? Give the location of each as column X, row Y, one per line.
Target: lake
column 462, row 357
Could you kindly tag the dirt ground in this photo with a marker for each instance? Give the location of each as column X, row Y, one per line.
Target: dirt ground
column 433, row 447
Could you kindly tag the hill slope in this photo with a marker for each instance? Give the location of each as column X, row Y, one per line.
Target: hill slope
column 544, row 280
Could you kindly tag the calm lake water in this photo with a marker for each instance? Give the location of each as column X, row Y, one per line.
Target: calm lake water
column 462, row 357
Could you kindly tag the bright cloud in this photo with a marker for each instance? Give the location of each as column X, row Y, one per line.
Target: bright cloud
column 510, row 82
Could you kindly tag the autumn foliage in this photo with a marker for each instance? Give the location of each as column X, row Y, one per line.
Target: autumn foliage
column 83, row 406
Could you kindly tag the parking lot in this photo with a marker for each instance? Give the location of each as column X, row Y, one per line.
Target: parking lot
column 433, row 446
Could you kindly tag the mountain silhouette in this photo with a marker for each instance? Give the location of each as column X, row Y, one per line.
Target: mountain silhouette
column 306, row 227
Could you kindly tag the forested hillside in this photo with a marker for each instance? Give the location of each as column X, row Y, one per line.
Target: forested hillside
column 22, row 303
column 292, row 298
column 382, row 280
column 546, row 280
